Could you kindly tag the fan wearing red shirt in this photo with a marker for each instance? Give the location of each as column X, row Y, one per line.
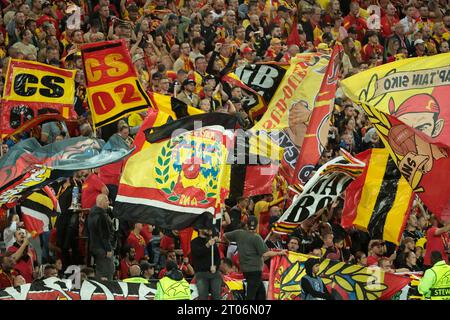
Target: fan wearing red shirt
column 437, row 240
column 372, row 48
column 184, row 266
column 137, row 241
column 92, row 187
column 353, row 20
column 376, row 247
column 170, row 243
column 389, row 21
column 26, row 257
column 127, row 261
column 7, row 272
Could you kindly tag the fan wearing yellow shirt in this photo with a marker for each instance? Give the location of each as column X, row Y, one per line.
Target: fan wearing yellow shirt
column 261, row 211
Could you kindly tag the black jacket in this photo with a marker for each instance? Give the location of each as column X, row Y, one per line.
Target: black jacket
column 201, row 255
column 100, row 231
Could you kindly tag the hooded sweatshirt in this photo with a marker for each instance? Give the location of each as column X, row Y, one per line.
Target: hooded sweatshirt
column 312, row 286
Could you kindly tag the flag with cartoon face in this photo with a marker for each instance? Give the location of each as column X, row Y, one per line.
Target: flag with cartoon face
column 408, row 103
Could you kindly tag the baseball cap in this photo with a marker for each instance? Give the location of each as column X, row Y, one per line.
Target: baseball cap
column 252, row 223
column 46, row 4
column 188, row 81
column 418, row 41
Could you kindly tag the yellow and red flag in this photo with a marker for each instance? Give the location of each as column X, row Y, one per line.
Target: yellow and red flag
column 33, row 89
column 316, row 135
column 344, row 281
column 378, row 201
column 408, row 103
column 178, row 171
column 288, row 114
column 113, row 87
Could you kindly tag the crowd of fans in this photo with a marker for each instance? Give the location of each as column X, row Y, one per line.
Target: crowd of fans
column 183, row 49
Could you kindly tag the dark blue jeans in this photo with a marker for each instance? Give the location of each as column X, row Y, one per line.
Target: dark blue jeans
column 207, row 283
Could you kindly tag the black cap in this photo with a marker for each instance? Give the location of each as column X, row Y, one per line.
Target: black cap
column 252, row 223
column 46, row 4
column 188, row 81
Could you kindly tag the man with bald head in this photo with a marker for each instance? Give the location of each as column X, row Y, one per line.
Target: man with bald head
column 100, row 233
column 135, row 275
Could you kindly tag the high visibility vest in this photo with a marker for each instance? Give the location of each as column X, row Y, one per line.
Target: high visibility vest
column 135, row 280
column 441, row 287
column 169, row 289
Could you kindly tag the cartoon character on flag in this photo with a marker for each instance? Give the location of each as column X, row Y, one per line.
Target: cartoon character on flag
column 421, row 112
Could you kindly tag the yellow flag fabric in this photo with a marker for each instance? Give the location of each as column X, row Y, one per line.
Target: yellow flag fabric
column 379, row 200
column 294, row 99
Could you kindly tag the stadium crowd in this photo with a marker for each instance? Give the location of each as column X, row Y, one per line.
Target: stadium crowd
column 183, row 49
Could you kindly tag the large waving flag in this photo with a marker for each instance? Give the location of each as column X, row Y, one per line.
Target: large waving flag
column 113, row 88
column 317, row 132
column 289, row 111
column 344, row 281
column 32, row 90
column 408, row 103
column 28, row 165
column 178, row 172
column 325, row 186
column 378, row 201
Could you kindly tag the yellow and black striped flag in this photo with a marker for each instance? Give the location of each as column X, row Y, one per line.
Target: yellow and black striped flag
column 378, row 201
column 38, row 209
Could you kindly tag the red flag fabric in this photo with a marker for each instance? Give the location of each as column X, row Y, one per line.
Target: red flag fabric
column 344, row 281
column 259, row 180
column 294, row 36
column 317, row 131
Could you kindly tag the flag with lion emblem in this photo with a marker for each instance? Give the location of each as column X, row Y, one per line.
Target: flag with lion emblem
column 178, row 172
column 408, row 103
column 343, row 281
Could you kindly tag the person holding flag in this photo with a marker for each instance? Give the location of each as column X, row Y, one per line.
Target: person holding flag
column 207, row 276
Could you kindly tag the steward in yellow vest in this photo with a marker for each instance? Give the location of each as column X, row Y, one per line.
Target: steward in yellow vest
column 435, row 284
column 173, row 286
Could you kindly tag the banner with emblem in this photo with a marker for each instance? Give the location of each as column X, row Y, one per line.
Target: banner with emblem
column 113, row 88
column 178, row 172
column 344, row 281
column 408, row 103
column 32, row 90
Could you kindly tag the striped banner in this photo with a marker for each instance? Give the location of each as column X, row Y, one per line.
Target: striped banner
column 379, row 201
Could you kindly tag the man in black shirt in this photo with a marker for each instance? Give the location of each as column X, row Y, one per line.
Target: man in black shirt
column 236, row 213
column 207, row 275
column 208, row 32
